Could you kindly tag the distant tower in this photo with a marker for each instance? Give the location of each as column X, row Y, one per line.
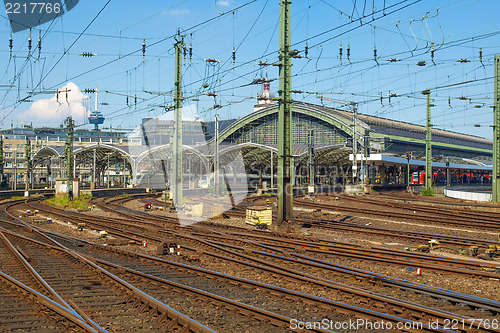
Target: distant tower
column 96, row 117
column 265, row 97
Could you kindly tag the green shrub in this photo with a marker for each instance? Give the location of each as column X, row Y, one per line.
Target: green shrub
column 427, row 192
column 62, row 200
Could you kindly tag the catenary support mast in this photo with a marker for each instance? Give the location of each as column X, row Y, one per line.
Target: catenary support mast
column 285, row 162
column 177, row 142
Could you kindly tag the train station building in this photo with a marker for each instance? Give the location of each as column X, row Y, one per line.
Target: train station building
column 322, row 136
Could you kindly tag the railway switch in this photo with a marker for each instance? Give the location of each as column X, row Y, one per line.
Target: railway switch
column 492, row 251
column 81, row 226
column 433, row 243
column 423, row 248
column 473, row 250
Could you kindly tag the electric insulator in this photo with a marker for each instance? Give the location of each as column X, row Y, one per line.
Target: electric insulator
column 29, row 44
column 234, row 55
column 143, row 49
column 432, row 56
column 10, row 45
column 87, row 54
column 349, row 52
column 39, row 43
column 375, row 54
column 306, row 51
column 127, row 101
column 481, row 55
column 184, row 52
column 421, row 63
column 340, row 53
column 463, row 61
column 190, row 51
column 135, row 100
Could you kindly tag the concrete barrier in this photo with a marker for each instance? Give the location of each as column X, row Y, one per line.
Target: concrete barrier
column 20, row 193
column 467, row 195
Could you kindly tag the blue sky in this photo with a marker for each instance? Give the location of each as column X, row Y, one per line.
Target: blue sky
column 406, row 30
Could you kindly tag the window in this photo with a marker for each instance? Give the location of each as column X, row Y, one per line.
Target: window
column 20, row 145
column 20, row 165
column 8, row 145
column 8, row 164
column 20, row 155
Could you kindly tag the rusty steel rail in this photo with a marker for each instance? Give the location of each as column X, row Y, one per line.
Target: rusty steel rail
column 49, row 304
column 471, row 300
column 165, row 312
column 262, row 315
column 464, row 222
column 118, row 232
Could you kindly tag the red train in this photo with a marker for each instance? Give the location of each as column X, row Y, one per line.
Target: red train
column 455, row 177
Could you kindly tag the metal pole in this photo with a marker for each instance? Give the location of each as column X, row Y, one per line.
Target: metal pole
column 311, row 160
column 272, row 170
column 15, row 170
column 448, row 178
column 108, row 169
column 408, row 158
column 496, row 135
column 93, row 171
column 428, row 144
column 177, row 149
column 354, row 145
column 366, row 147
column 285, row 165
column 27, row 149
column 124, row 178
column 216, row 164
column 189, row 174
column 69, row 152
column 2, row 160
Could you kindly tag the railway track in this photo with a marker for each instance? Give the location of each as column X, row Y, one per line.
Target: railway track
column 24, row 309
column 377, row 230
column 339, row 310
column 424, row 215
column 150, row 282
column 101, row 299
column 476, row 305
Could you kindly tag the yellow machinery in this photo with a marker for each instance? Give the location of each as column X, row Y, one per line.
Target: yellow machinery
column 259, row 216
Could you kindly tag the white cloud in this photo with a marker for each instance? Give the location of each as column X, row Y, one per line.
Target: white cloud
column 58, row 107
column 224, row 3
